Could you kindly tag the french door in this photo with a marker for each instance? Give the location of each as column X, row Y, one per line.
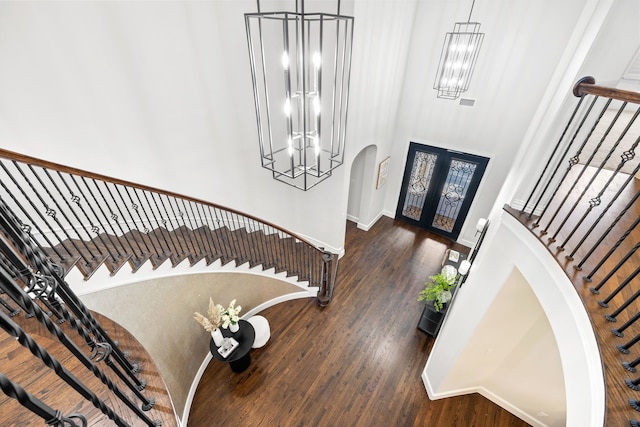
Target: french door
column 438, row 188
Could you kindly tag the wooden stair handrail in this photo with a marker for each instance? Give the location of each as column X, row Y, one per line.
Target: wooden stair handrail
column 11, row 155
column 587, row 86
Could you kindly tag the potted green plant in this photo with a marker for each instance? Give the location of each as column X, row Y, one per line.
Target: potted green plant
column 438, row 290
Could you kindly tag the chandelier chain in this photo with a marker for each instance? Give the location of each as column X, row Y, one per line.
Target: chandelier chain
column 471, row 11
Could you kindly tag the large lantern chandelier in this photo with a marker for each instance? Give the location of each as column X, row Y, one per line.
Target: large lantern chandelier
column 300, row 68
column 458, row 58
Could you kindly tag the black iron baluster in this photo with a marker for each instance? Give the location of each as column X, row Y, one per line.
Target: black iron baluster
column 182, row 229
column 173, row 233
column 631, row 366
column 45, row 288
column 550, row 160
column 618, row 265
column 53, row 213
column 133, row 220
column 107, row 218
column 261, row 235
column 629, row 179
column 136, row 208
column 251, row 243
column 44, row 292
column 35, row 224
column 624, row 348
column 12, row 311
column 187, row 234
column 36, row 406
column 245, row 240
column 39, row 260
column 39, row 213
column 625, row 282
column 218, row 241
column 59, row 209
column 612, row 317
column 619, row 331
column 157, row 228
column 584, row 169
column 172, row 246
column 269, row 251
column 199, row 230
column 116, row 216
column 626, row 156
column 41, row 353
column 103, row 353
column 217, row 246
column 17, row 294
column 207, row 232
column 230, row 237
column 633, row 384
column 574, row 160
column 199, row 251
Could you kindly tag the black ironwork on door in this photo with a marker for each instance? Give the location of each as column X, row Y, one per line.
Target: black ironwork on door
column 438, row 188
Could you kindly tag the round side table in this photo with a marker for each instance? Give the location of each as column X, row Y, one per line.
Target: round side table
column 240, row 359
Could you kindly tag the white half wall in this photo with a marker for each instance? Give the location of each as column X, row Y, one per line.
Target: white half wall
column 518, row 334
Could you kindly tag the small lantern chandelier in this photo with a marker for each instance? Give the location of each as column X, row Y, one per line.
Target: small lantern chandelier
column 458, row 58
column 300, row 68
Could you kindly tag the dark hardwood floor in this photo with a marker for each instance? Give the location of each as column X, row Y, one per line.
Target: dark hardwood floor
column 356, row 362
column 20, row 366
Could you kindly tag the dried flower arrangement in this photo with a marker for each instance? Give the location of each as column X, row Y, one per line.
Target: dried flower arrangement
column 213, row 320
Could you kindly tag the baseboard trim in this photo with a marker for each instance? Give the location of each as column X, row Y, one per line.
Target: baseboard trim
column 507, row 406
column 311, row 293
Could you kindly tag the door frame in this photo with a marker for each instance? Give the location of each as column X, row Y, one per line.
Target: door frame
column 440, row 171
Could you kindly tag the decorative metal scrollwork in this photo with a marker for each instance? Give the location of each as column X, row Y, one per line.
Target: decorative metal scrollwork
column 51, row 212
column 628, row 155
column 61, row 421
column 101, row 351
column 75, row 199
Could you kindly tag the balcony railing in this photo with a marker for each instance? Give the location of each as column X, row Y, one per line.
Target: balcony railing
column 54, row 218
column 584, row 208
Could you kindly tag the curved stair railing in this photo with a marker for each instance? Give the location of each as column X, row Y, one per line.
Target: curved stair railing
column 55, row 218
column 584, row 208
column 84, row 220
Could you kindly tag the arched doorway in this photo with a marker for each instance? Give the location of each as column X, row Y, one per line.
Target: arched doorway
column 361, row 185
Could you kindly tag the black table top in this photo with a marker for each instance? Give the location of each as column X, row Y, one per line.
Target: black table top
column 245, row 336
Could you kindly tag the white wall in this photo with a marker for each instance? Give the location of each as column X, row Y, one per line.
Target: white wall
column 517, row 328
column 158, row 92
column 523, row 43
column 154, row 92
column 602, row 46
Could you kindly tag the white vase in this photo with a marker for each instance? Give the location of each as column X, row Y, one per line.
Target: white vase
column 217, row 337
column 233, row 327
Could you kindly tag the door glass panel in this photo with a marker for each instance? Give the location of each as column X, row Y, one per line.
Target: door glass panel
column 421, row 173
column 453, row 193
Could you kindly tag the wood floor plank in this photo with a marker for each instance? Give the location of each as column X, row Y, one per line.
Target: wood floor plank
column 356, row 362
column 23, row 368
